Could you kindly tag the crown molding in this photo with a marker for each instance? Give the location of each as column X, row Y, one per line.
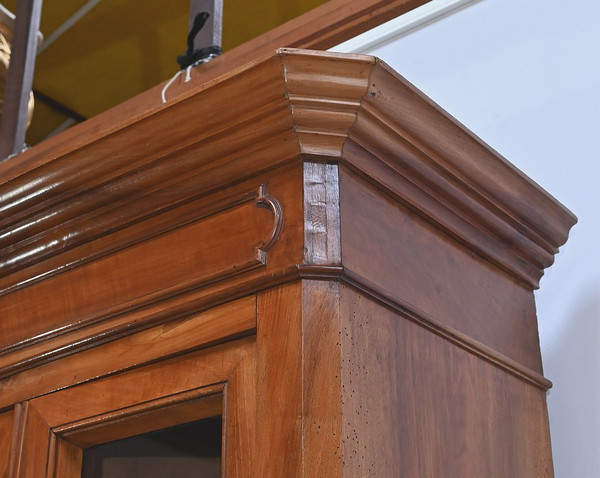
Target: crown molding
column 367, row 116
column 289, row 106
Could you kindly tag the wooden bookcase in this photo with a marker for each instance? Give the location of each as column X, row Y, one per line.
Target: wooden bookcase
column 306, row 246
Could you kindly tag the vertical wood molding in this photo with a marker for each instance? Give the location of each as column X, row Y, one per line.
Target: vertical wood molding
column 279, row 379
column 239, row 417
column 52, row 456
column 33, row 441
column 68, row 460
column 17, row 441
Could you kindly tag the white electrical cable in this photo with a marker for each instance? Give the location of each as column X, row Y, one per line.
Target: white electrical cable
column 188, row 75
column 163, row 93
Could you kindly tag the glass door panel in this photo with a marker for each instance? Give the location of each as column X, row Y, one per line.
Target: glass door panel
column 190, row 450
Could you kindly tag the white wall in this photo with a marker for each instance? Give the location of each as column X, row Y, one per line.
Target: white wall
column 524, row 75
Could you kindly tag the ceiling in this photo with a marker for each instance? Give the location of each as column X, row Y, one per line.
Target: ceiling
column 123, row 47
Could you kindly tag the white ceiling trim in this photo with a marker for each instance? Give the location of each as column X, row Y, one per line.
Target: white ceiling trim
column 402, row 25
column 6, row 16
column 61, row 30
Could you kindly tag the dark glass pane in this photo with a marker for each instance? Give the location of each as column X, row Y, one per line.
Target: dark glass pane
column 191, row 450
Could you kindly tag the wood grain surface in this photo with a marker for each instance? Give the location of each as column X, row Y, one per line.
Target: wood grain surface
column 68, row 460
column 323, row 382
column 6, row 440
column 112, row 295
column 56, row 427
column 208, row 328
column 391, row 246
column 279, row 371
column 322, row 243
column 155, row 270
column 305, row 244
column 417, row 406
column 33, row 435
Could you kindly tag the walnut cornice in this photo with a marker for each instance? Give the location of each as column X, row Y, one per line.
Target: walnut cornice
column 291, row 106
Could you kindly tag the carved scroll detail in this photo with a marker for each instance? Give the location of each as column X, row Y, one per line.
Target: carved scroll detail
column 269, row 202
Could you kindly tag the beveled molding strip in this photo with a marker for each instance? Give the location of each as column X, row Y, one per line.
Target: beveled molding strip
column 330, row 273
column 441, row 196
column 76, row 432
column 490, row 355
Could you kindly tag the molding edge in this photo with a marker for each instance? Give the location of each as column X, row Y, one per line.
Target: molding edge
column 474, row 347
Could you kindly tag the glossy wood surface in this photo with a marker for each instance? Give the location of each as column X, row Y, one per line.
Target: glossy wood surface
column 216, row 325
column 33, row 443
column 318, row 104
column 199, row 258
column 135, row 420
column 332, row 262
column 321, row 28
column 170, row 392
column 202, row 268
